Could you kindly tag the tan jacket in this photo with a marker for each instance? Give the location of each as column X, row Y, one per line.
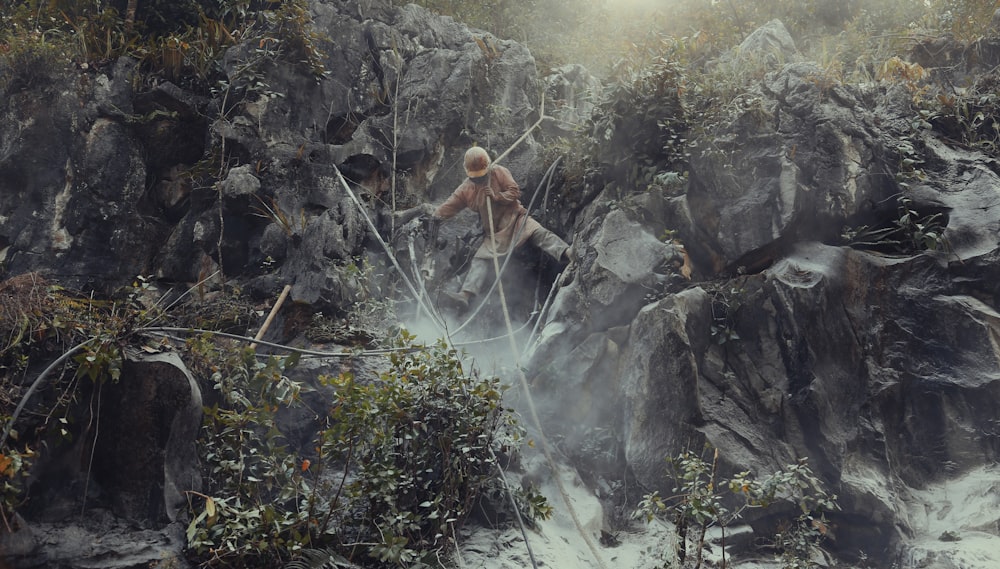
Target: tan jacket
column 508, row 214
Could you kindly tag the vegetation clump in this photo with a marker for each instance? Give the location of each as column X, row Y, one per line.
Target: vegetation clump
column 180, row 41
column 393, row 466
column 702, row 500
column 80, row 337
column 387, row 468
column 601, row 34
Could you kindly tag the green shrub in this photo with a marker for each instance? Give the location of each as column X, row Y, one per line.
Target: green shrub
column 699, row 502
column 397, row 461
column 255, row 484
column 639, row 129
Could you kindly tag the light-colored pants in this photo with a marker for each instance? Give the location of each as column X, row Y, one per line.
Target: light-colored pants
column 481, row 270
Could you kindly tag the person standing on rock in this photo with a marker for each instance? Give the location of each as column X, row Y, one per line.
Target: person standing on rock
column 490, row 188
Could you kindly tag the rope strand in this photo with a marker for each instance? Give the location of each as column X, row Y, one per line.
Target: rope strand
column 546, row 450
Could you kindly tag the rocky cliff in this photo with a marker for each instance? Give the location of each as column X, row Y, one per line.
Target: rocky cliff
column 841, row 306
column 842, row 310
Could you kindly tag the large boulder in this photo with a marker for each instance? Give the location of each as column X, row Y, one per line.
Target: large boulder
column 131, row 462
column 793, row 168
column 620, row 265
column 146, row 461
column 73, row 177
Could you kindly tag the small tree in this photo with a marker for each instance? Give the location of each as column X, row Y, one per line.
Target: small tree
column 699, row 501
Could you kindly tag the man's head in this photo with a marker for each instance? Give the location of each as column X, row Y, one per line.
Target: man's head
column 477, row 163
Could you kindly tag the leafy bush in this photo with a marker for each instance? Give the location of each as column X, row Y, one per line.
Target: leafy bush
column 396, row 462
column 911, row 231
column 699, row 502
column 966, row 118
column 639, row 128
column 423, row 442
column 966, row 20
column 255, row 483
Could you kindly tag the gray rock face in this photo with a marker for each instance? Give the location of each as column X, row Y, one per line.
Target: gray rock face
column 104, row 540
column 878, row 364
column 659, row 381
column 131, row 482
column 770, row 41
column 130, row 183
column 803, row 164
column 767, row 48
column 621, row 263
column 571, row 94
column 72, row 179
column 104, row 177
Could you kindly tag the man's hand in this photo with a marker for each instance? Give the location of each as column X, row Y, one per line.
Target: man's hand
column 488, row 190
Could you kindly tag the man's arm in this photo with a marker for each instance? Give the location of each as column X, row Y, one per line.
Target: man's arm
column 455, row 203
column 509, row 191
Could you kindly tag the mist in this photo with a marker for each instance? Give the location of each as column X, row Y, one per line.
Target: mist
column 605, row 34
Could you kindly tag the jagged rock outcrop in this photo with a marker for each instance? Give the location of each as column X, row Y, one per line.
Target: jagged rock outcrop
column 73, row 178
column 104, row 179
column 571, row 93
column 876, row 360
column 765, row 47
column 106, row 174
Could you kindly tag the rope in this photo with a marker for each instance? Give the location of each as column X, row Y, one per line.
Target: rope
column 513, row 505
column 436, row 318
column 385, row 246
column 165, row 330
column 541, row 314
column 423, row 289
column 503, row 298
column 493, row 339
column 546, row 450
column 541, row 117
column 36, row 383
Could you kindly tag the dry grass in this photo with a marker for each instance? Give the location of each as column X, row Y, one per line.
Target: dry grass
column 26, row 307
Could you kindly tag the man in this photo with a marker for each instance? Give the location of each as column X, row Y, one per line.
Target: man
column 512, row 226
